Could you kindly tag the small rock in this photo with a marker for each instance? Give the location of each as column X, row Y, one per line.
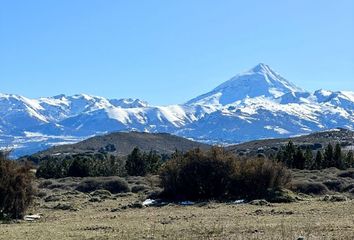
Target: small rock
column 32, row 218
column 258, row 212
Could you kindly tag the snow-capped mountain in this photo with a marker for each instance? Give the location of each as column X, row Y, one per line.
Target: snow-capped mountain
column 256, row 104
column 259, row 81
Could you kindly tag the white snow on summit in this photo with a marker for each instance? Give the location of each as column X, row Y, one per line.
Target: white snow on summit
column 256, row 104
column 259, row 81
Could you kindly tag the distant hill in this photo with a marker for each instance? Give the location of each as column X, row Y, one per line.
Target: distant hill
column 122, row 143
column 315, row 141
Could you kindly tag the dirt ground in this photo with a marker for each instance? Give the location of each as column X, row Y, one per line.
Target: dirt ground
column 68, row 214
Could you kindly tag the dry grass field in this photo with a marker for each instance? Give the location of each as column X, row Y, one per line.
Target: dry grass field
column 69, row 214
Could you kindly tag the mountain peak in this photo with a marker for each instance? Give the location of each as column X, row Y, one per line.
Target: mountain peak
column 259, row 81
column 261, row 68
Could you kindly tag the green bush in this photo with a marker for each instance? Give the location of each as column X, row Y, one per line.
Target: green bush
column 16, row 189
column 111, row 184
column 217, row 174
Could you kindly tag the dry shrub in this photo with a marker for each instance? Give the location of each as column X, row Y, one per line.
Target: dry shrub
column 111, row 184
column 256, row 178
column 16, row 190
column 314, row 188
column 197, row 175
column 217, row 174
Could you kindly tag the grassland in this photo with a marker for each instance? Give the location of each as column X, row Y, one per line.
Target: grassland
column 69, row 214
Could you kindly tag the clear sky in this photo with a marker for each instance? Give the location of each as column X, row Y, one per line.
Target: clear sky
column 170, row 51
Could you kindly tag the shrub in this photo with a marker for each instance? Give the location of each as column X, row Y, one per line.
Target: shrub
column 306, row 187
column 254, row 178
column 335, row 185
column 197, row 175
column 16, row 191
column 217, row 174
column 347, row 174
column 112, row 184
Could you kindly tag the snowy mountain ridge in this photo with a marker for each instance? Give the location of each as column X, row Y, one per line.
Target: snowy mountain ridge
column 257, row 104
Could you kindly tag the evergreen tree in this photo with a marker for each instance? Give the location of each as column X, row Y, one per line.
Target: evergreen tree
column 299, row 159
column 153, row 161
column 328, row 157
column 318, row 160
column 79, row 167
column 309, row 158
column 349, row 160
column 289, row 154
column 136, row 163
column 338, row 157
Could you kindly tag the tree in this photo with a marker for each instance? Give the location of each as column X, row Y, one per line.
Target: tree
column 153, row 162
column 299, row 159
column 349, row 160
column 309, row 158
column 289, row 154
column 328, row 157
column 338, row 157
column 136, row 163
column 79, row 167
column 318, row 160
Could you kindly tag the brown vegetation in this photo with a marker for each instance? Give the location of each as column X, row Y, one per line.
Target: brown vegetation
column 16, row 189
column 217, row 174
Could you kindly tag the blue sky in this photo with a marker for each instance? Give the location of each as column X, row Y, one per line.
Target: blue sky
column 170, row 51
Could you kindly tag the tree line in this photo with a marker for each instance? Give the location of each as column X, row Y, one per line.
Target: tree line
column 137, row 163
column 332, row 156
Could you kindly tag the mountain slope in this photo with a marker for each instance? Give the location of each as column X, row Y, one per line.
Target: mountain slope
column 253, row 105
column 315, row 141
